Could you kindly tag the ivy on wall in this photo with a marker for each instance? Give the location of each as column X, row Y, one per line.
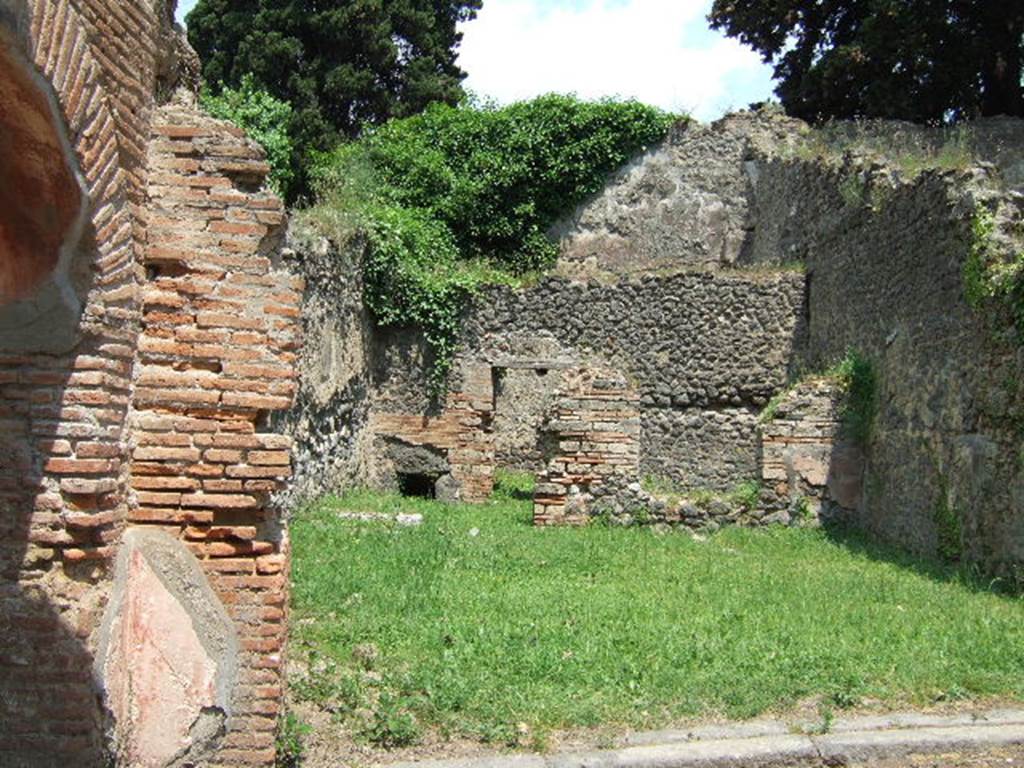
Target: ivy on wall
column 460, row 197
column 989, row 275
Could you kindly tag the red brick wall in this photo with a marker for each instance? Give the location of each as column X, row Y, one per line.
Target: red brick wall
column 594, row 431
column 151, row 414
column 216, row 354
column 62, row 430
column 463, row 431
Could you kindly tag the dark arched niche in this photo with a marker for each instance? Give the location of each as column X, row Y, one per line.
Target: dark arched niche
column 42, row 209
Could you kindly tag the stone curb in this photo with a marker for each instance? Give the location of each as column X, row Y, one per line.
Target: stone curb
column 769, row 743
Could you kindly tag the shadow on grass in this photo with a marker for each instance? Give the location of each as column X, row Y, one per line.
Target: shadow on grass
column 966, row 575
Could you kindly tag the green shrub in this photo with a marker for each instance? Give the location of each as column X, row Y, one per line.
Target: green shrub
column 747, row 494
column 856, row 377
column 987, row 276
column 394, row 725
column 265, row 120
column 290, row 742
column 512, row 484
column 459, row 197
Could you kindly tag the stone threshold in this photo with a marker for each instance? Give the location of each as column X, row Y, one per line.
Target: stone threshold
column 768, row 743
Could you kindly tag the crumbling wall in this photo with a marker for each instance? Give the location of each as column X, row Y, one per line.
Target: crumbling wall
column 684, row 202
column 885, row 250
column 333, row 450
column 66, row 345
column 808, row 457
column 722, row 265
column 705, row 352
column 216, row 355
column 524, row 393
column 122, row 368
column 592, row 431
column 459, row 438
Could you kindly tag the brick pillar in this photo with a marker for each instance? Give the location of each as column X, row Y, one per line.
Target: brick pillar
column 216, row 356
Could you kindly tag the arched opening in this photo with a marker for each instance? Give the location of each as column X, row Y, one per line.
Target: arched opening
column 40, row 197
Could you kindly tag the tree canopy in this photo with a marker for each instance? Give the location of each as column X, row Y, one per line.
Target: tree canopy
column 340, row 64
column 920, row 60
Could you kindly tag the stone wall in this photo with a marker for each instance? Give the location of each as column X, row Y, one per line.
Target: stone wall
column 525, row 392
column 123, row 380
column 883, row 241
column 705, row 351
column 333, row 448
column 885, row 250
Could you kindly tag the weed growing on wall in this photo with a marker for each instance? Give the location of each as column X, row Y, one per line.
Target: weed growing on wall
column 856, row 377
column 460, row 197
column 949, row 538
column 290, row 741
column 990, row 276
column 264, row 119
column 857, row 381
column 912, row 152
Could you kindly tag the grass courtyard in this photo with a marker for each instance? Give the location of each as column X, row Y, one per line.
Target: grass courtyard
column 477, row 625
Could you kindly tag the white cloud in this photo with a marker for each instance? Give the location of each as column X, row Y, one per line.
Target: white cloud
column 657, row 51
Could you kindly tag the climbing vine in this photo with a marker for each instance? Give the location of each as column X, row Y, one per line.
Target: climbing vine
column 460, row 197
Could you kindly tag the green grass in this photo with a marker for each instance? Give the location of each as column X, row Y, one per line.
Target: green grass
column 475, row 622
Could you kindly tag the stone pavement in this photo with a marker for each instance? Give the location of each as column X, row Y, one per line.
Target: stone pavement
column 907, row 740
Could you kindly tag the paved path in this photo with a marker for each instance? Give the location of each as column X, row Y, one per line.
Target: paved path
column 994, row 738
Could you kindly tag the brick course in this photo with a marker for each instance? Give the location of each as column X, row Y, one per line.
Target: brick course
column 150, row 415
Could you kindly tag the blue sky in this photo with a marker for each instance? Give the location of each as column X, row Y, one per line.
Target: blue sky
column 658, row 51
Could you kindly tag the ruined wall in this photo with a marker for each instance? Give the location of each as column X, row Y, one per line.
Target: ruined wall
column 883, row 241
column 592, row 432
column 731, row 260
column 332, row 405
column 66, row 346
column 684, row 202
column 885, row 252
column 705, row 352
column 807, row 457
column 99, row 387
column 216, row 356
column 524, row 393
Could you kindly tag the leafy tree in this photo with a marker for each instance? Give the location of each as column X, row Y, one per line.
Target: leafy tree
column 459, row 197
column 265, row 120
column 920, row 60
column 339, row 63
